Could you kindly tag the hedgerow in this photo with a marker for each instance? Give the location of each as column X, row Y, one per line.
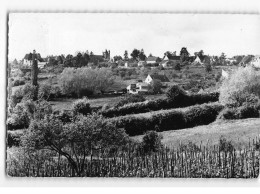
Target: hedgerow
column 168, row 119
column 161, row 104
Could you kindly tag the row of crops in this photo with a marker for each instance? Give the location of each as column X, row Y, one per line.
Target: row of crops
column 182, row 162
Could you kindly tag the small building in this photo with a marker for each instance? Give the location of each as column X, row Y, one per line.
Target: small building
column 137, row 88
column 141, row 63
column 163, row 78
column 197, row 61
column 152, row 60
column 27, row 60
column 225, row 74
column 256, row 61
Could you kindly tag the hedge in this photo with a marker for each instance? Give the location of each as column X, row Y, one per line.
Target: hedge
column 14, row 138
column 160, row 104
column 165, row 120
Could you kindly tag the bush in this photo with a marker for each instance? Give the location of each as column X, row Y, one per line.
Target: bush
column 44, row 91
column 168, row 119
column 242, row 112
column 155, row 87
column 130, row 98
column 65, row 116
column 14, row 138
column 18, row 81
column 175, row 92
column 55, row 92
column 29, row 91
column 161, row 104
column 225, row 146
column 81, row 106
column 240, row 86
column 151, row 142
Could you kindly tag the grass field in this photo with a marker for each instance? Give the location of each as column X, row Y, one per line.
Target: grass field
column 238, row 131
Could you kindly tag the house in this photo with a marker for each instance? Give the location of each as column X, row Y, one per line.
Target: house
column 246, row 60
column 256, row 61
column 141, row 63
column 137, row 88
column 176, row 59
column 163, row 78
column 151, row 60
column 27, row 60
column 197, row 61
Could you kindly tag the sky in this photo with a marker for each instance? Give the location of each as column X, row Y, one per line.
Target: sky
column 68, row 33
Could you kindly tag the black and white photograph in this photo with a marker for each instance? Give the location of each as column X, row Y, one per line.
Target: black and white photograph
column 133, row 95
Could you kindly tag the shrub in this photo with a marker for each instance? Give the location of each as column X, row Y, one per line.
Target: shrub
column 155, row 87
column 14, row 138
column 241, row 84
column 175, row 92
column 65, row 116
column 81, row 106
column 151, row 142
column 44, row 91
column 159, row 104
column 225, row 145
column 18, row 81
column 168, row 119
column 208, row 67
column 55, row 92
column 29, row 91
column 131, row 98
column 242, row 112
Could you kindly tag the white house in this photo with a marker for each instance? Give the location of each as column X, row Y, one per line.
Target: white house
column 256, row 61
column 140, row 87
column 197, row 61
column 164, row 80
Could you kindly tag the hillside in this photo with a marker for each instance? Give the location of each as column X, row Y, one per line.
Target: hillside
column 238, row 131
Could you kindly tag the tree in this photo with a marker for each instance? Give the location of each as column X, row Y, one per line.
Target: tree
column 141, row 55
column 208, row 67
column 68, row 61
column 135, row 54
column 156, row 87
column 117, row 58
column 34, row 74
column 126, row 55
column 184, row 54
column 243, row 86
column 85, row 81
column 74, row 141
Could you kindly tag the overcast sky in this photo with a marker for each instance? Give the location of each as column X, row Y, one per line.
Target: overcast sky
column 63, row 33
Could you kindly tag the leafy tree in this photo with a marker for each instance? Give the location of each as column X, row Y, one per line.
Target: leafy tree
column 243, row 86
column 156, row 87
column 126, row 55
column 135, row 54
column 175, row 92
column 117, row 58
column 151, row 142
column 184, row 54
column 208, row 67
column 141, row 55
column 74, row 141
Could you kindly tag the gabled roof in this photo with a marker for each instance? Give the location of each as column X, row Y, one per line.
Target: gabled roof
column 176, row 58
column 246, row 59
column 162, row 78
column 152, row 58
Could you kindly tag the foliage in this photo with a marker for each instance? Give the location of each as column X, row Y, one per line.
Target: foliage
column 75, row 140
column 208, row 67
column 81, row 106
column 182, row 161
column 18, row 81
column 14, row 138
column 168, row 119
column 155, row 87
column 44, row 91
column 225, row 145
column 160, row 104
column 151, row 142
column 242, row 86
column 130, row 98
column 29, row 92
column 85, row 81
column 242, row 112
column 175, row 92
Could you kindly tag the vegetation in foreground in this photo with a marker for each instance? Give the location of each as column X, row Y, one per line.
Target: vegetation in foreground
column 185, row 161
